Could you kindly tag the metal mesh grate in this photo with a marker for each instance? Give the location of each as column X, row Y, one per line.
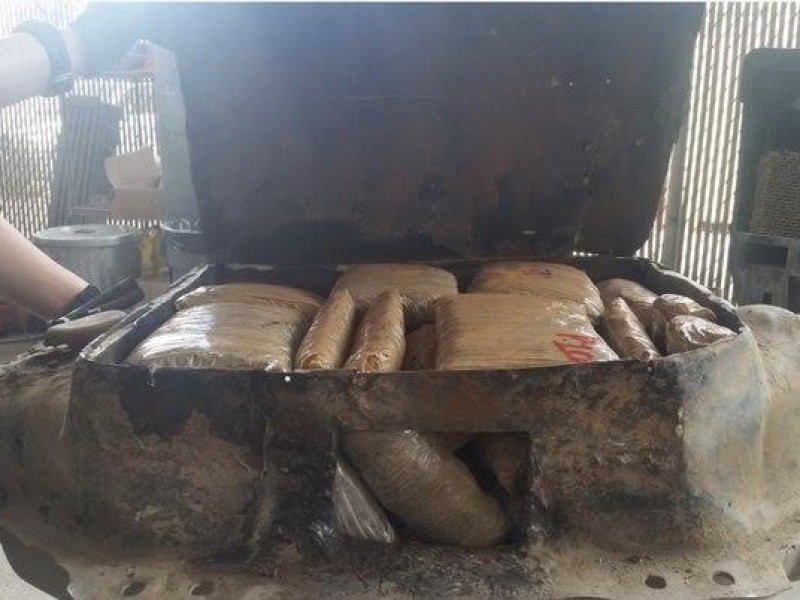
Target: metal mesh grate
column 29, row 130
column 692, row 232
column 776, row 206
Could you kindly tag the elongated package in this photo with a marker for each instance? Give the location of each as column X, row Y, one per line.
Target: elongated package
column 327, row 342
column 639, row 298
column 419, row 285
column 686, row 332
column 417, row 477
column 668, row 306
column 251, row 293
column 356, row 513
column 549, row 280
column 625, row 333
column 497, row 331
column 673, row 305
column 421, row 481
column 508, row 456
column 380, row 341
column 228, row 335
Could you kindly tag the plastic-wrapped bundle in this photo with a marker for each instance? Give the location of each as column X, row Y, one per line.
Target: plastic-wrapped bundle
column 356, row 513
column 251, row 293
column 326, row 344
column 416, row 476
column 419, row 285
column 686, row 332
column 508, row 456
column 228, row 335
column 549, row 280
column 380, row 341
column 496, row 331
column 673, row 305
column 420, row 480
column 625, row 333
column 638, row 297
column 421, row 349
column 668, row 306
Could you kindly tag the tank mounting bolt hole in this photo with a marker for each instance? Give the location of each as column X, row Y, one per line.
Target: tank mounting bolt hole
column 655, row 582
column 723, row 578
column 133, row 588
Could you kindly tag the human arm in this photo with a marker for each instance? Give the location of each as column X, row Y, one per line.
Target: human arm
column 31, row 279
column 93, row 42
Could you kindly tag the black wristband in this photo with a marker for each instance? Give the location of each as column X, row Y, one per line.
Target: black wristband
column 60, row 63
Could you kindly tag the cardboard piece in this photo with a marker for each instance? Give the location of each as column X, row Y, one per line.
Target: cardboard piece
column 136, row 179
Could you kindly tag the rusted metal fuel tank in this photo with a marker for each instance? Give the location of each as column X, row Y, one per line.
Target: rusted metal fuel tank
column 455, row 136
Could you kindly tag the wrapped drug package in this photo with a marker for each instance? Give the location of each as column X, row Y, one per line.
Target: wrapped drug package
column 684, row 333
column 548, row 280
column 639, row 298
column 251, row 293
column 625, row 333
column 227, row 335
column 500, row 331
column 419, row 286
column 327, row 342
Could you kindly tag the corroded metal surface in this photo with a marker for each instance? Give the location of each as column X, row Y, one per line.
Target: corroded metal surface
column 620, row 449
column 394, row 132
column 678, row 490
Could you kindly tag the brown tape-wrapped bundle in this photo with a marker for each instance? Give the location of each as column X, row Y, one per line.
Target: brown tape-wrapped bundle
column 421, row 349
column 673, row 305
column 508, row 456
column 326, row 344
column 497, row 331
column 686, row 332
column 639, row 298
column 549, row 280
column 380, row 341
column 356, row 513
column 420, row 480
column 625, row 333
column 227, row 335
column 419, row 285
column 251, row 293
column 415, row 476
column 668, row 306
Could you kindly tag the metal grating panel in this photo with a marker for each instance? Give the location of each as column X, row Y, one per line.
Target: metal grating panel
column 776, row 209
column 692, row 231
column 29, row 130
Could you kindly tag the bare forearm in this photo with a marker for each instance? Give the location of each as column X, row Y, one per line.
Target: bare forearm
column 25, row 66
column 30, row 279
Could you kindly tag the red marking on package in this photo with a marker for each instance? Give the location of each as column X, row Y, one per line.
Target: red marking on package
column 577, row 347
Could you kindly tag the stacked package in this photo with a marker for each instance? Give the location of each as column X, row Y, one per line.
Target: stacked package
column 625, row 333
column 670, row 322
column 383, row 318
column 546, row 280
column 236, row 326
column 419, row 286
column 499, row 331
column 228, row 335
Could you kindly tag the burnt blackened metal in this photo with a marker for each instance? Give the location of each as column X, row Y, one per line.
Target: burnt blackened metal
column 618, row 445
column 396, row 132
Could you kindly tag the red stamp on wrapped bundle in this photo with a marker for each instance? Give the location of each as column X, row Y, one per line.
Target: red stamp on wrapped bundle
column 577, row 347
